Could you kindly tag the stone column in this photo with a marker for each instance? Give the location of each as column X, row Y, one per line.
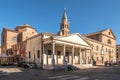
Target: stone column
column 53, row 53
column 73, row 56
column 80, row 58
column 85, row 56
column 64, row 54
column 91, row 57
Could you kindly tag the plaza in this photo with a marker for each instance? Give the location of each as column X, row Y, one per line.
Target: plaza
column 96, row 73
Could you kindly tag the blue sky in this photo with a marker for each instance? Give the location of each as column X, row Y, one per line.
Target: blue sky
column 85, row 16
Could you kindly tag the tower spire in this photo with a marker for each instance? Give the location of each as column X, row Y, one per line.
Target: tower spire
column 64, row 25
column 64, row 17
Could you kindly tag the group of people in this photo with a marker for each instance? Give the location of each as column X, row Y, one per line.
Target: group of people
column 110, row 63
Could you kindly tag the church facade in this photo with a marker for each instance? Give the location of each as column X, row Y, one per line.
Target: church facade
column 50, row 50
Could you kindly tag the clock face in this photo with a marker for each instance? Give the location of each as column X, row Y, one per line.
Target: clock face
column 14, row 39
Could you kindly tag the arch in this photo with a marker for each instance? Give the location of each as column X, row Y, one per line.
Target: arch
column 109, row 41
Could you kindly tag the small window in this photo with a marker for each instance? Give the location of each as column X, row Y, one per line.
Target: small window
column 92, row 38
column 112, row 51
column 49, row 54
column 29, row 54
column 67, row 54
column 117, row 53
column 97, row 48
column 92, row 46
column 109, row 41
column 38, row 54
column 117, row 57
column 97, row 58
column 58, row 54
column 109, row 51
column 32, row 32
column 108, row 33
column 106, row 49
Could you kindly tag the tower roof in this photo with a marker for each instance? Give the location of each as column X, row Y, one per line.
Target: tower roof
column 64, row 17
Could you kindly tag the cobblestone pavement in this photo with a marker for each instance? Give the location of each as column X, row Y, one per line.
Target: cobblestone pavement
column 102, row 73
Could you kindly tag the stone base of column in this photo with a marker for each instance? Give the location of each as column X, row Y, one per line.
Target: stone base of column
column 73, row 63
column 53, row 64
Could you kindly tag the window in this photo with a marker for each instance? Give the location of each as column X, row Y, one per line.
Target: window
column 92, row 46
column 58, row 54
column 109, row 51
column 29, row 54
column 97, row 48
column 97, row 58
column 117, row 57
column 38, row 54
column 108, row 33
column 32, row 32
column 109, row 41
column 112, row 51
column 117, row 53
column 106, row 49
column 92, row 38
column 14, row 39
column 49, row 54
column 67, row 54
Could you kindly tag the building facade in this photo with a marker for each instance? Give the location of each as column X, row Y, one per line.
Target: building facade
column 104, row 45
column 15, row 38
column 50, row 50
column 118, row 53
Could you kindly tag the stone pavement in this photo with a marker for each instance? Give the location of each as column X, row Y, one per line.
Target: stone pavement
column 89, row 66
column 10, row 69
column 68, row 77
column 86, row 73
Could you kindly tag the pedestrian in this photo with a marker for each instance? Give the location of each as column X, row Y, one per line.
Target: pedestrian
column 66, row 66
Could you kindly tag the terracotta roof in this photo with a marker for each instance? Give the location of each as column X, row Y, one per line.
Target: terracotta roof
column 9, row 30
column 24, row 26
column 99, row 32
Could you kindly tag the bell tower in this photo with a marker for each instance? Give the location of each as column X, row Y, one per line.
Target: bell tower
column 64, row 25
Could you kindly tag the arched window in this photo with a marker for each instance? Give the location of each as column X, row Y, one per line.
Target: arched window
column 97, row 48
column 109, row 41
column 108, row 33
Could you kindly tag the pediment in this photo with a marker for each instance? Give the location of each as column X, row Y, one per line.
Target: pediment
column 73, row 38
column 109, row 33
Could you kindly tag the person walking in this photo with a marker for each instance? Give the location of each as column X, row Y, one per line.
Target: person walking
column 66, row 66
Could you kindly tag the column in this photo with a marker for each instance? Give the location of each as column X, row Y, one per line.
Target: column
column 85, row 57
column 64, row 54
column 91, row 57
column 53, row 53
column 80, row 58
column 73, row 56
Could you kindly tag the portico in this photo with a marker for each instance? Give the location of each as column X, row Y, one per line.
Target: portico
column 72, row 49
